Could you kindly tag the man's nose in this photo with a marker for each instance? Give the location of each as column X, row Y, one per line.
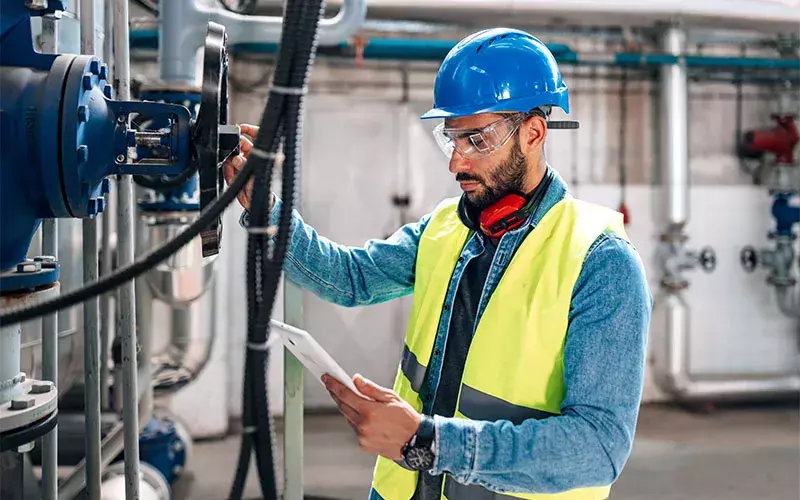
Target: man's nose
column 458, row 163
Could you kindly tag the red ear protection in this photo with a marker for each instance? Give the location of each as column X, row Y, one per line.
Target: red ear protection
column 503, row 215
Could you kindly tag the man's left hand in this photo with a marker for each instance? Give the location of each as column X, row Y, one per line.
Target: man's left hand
column 382, row 426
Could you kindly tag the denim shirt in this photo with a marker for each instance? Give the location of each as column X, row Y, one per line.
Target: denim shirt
column 604, row 354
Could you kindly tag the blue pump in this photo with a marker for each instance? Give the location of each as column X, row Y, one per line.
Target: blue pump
column 62, row 134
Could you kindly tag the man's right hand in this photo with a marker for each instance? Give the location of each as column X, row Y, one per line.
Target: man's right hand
column 234, row 165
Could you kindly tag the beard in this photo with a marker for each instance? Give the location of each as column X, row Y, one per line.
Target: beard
column 508, row 177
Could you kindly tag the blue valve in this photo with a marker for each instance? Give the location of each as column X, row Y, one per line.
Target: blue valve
column 62, row 135
column 786, row 216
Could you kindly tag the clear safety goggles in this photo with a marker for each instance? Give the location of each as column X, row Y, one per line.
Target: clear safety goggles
column 474, row 143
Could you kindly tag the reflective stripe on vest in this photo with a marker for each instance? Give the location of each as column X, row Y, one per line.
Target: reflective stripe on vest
column 514, row 368
column 414, row 372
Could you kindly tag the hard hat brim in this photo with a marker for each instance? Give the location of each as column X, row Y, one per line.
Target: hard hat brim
column 558, row 98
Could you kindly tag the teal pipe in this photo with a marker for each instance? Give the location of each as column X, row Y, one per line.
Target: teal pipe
column 436, row 50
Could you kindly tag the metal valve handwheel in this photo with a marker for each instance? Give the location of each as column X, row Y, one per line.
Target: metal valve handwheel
column 212, row 139
column 749, row 259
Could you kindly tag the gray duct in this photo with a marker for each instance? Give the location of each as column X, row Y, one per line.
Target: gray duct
column 671, row 352
column 182, row 29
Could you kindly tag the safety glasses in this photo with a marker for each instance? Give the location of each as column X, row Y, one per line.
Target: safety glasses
column 477, row 143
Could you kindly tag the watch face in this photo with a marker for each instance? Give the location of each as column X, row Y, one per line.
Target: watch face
column 420, row 458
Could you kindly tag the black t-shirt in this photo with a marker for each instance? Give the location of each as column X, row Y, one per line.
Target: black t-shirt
column 462, row 325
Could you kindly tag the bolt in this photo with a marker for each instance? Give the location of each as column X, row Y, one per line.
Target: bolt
column 177, row 470
column 83, row 153
column 105, row 186
column 122, row 118
column 83, row 114
column 36, row 4
column 94, row 67
column 22, row 403
column 25, row 448
column 93, row 207
column 101, row 204
column 29, row 267
column 120, row 158
column 87, row 81
column 104, row 72
column 22, row 378
column 41, row 387
column 177, row 447
column 107, row 91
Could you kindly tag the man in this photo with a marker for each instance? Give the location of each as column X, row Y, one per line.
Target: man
column 523, row 364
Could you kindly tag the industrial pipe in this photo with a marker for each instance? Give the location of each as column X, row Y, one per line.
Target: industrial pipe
column 126, row 308
column 106, row 312
column 50, row 322
column 673, row 375
column 182, row 30
column 765, row 16
column 671, row 356
column 184, row 283
column 91, row 308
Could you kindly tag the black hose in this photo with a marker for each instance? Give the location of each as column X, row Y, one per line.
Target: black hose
column 282, row 119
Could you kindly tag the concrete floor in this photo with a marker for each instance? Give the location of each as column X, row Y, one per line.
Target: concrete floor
column 730, row 453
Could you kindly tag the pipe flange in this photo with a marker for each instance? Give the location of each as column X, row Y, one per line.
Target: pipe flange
column 38, row 400
column 674, row 284
column 781, row 281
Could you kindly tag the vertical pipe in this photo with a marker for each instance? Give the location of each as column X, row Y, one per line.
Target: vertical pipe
column 293, row 399
column 126, row 313
column 91, row 311
column 105, row 300
column 176, row 57
column 674, row 146
column 50, row 322
column 50, row 366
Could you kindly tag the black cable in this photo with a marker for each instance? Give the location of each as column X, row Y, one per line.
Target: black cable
column 263, row 271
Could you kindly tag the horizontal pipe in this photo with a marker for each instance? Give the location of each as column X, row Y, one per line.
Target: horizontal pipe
column 435, row 49
column 673, row 374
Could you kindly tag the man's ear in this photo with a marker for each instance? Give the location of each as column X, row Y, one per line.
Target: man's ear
column 532, row 133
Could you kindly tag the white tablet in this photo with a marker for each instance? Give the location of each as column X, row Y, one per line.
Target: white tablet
column 311, row 354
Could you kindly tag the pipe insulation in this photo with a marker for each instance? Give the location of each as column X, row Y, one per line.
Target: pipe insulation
column 780, row 16
column 674, row 150
column 182, row 31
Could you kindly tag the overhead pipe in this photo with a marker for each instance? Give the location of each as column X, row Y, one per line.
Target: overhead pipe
column 182, row 29
column 751, row 15
column 672, row 370
column 435, row 49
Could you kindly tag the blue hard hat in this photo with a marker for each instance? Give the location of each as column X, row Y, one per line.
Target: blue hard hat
column 497, row 70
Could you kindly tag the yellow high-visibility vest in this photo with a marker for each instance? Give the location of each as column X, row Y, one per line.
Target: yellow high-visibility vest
column 514, row 368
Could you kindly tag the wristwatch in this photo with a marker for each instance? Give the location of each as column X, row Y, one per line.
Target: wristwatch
column 418, row 453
